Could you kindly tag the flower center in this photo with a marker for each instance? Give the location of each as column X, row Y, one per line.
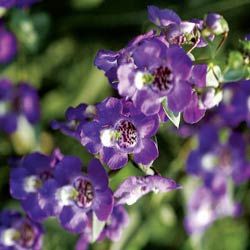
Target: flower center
column 27, row 236
column 128, row 134
column 32, row 184
column 10, row 236
column 163, row 78
column 85, row 193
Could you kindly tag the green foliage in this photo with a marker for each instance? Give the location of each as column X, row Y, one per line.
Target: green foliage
column 226, row 234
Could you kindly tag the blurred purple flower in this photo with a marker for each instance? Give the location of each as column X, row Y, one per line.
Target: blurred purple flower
column 213, row 157
column 29, row 177
column 115, row 224
column 8, row 45
column 204, row 208
column 17, row 101
column 18, row 232
column 120, row 130
column 235, row 106
column 134, row 187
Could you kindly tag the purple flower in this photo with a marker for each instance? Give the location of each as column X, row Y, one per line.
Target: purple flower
column 120, row 130
column 158, row 73
column 213, row 157
column 235, row 105
column 28, row 179
column 74, row 118
column 134, row 187
column 18, row 232
column 17, row 101
column 74, row 195
column 8, row 45
column 204, row 208
column 115, row 224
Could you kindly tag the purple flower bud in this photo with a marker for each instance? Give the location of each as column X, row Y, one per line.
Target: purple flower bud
column 216, row 24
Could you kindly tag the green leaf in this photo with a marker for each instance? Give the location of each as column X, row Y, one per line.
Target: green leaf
column 97, row 227
column 175, row 118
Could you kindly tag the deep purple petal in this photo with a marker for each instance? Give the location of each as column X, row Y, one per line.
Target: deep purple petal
column 67, row 169
column 162, row 17
column 113, row 159
column 147, row 101
column 17, row 177
column 98, row 175
column 180, row 96
column 147, row 126
column 179, row 62
column 32, row 207
column 149, row 152
column 73, row 220
column 199, row 73
column 193, row 113
column 103, row 204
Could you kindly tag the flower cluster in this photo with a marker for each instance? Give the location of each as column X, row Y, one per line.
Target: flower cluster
column 220, row 160
column 154, row 69
column 157, row 79
column 17, row 102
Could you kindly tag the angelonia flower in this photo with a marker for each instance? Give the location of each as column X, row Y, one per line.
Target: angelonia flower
column 213, row 158
column 114, row 130
column 17, row 102
column 120, row 131
column 7, row 4
column 204, row 208
column 19, row 232
column 8, row 45
column 28, row 181
column 75, row 195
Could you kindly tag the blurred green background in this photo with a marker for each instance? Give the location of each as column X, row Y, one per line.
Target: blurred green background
column 58, row 42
